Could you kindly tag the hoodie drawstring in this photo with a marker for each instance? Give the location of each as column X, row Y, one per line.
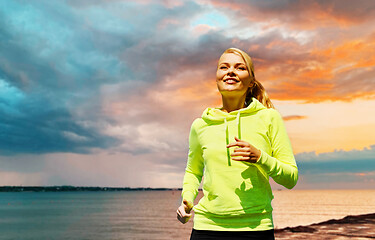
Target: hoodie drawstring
column 227, row 139
column 238, row 121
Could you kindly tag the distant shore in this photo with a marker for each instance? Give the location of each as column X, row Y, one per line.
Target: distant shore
column 78, row 189
column 349, row 227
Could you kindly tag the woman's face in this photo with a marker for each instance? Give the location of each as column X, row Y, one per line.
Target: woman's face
column 232, row 75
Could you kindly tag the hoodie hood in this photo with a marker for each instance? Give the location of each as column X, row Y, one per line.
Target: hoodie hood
column 217, row 116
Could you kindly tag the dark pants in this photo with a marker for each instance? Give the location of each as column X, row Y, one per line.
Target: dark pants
column 232, row 235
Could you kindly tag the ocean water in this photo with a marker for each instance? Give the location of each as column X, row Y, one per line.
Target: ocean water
column 151, row 214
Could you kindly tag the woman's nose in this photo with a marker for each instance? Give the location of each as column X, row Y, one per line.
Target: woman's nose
column 231, row 71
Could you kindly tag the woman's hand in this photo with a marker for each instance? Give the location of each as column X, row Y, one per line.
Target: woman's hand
column 183, row 212
column 245, row 152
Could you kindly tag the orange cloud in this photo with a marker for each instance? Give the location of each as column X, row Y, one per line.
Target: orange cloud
column 358, row 52
column 341, row 72
column 293, row 117
column 365, row 174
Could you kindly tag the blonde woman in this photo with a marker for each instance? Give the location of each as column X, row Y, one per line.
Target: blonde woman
column 236, row 148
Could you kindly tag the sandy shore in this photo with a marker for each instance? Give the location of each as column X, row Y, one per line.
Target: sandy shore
column 350, row 227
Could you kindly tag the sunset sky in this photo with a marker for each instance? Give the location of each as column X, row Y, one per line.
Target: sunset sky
column 103, row 93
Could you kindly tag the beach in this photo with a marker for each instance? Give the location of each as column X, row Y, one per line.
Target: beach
column 349, row 227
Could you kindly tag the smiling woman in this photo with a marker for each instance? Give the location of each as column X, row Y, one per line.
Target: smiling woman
column 236, row 148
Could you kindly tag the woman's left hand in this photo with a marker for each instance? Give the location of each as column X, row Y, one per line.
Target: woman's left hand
column 245, row 152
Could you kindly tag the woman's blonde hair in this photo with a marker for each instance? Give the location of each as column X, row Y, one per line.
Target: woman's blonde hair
column 256, row 90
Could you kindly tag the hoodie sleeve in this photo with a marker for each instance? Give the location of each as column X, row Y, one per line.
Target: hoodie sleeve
column 194, row 167
column 281, row 165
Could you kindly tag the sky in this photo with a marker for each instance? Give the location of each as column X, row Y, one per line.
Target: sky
column 103, row 93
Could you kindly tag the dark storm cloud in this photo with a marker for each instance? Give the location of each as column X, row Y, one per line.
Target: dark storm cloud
column 55, row 58
column 50, row 66
column 37, row 127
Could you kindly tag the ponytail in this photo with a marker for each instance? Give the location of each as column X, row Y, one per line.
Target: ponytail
column 257, row 91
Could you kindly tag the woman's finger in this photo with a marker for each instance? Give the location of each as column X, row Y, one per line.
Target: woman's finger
column 251, row 158
column 181, row 219
column 182, row 211
column 243, row 149
column 238, row 144
column 241, row 158
column 245, row 159
column 184, row 218
column 244, row 154
column 179, row 212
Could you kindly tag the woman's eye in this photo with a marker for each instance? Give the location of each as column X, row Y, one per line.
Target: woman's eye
column 242, row 68
column 223, row 67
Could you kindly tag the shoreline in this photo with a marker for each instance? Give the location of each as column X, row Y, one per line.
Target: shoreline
column 78, row 189
column 350, row 227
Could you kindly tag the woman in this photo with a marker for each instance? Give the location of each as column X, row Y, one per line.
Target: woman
column 236, row 148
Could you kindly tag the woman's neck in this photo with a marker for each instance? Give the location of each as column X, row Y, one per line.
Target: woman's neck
column 232, row 104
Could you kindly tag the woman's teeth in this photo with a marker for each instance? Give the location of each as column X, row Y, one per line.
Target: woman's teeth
column 231, row 81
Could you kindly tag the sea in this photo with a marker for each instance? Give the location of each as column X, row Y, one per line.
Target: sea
column 151, row 214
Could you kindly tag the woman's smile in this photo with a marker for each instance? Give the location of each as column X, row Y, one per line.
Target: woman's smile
column 231, row 80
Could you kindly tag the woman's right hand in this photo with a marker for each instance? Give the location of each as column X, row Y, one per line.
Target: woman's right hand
column 183, row 212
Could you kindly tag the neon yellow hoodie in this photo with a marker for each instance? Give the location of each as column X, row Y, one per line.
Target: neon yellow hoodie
column 237, row 194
